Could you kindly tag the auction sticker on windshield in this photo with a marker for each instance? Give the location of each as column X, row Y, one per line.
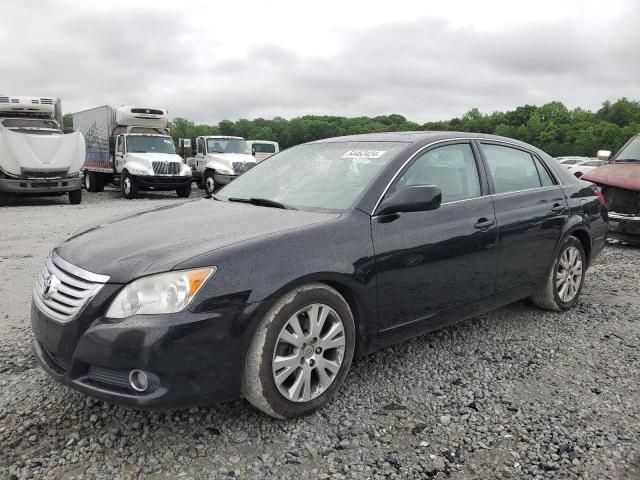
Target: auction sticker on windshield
column 364, row 154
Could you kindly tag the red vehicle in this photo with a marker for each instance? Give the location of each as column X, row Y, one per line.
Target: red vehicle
column 619, row 183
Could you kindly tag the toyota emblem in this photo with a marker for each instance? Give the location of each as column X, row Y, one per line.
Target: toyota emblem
column 50, row 286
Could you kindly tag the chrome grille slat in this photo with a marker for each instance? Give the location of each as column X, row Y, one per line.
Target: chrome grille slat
column 166, row 168
column 73, row 289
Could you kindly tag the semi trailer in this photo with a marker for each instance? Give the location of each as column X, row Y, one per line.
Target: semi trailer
column 36, row 157
column 131, row 147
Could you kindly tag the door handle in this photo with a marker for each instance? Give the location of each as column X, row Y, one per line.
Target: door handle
column 557, row 208
column 483, row 224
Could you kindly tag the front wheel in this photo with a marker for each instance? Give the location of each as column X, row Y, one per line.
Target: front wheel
column 75, row 197
column 129, row 186
column 300, row 353
column 184, row 192
column 208, row 182
column 564, row 283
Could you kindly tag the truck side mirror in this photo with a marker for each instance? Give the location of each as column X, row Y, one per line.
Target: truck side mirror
column 604, row 155
column 253, row 150
column 112, row 145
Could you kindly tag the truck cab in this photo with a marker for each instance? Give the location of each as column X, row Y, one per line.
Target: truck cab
column 218, row 159
column 36, row 157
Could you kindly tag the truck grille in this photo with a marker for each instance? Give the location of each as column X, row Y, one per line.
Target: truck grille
column 62, row 290
column 45, row 174
column 170, row 168
column 241, row 167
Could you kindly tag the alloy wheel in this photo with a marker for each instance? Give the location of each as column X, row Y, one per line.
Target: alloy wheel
column 308, row 353
column 569, row 274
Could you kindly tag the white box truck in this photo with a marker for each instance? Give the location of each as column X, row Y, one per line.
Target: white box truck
column 131, row 147
column 36, row 157
column 218, row 159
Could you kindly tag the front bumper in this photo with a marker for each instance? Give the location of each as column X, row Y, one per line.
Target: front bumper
column 624, row 227
column 197, row 358
column 40, row 186
column 162, row 182
column 221, row 179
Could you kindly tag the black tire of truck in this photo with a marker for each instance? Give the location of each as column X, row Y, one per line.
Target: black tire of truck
column 129, row 186
column 184, row 192
column 75, row 197
column 209, row 182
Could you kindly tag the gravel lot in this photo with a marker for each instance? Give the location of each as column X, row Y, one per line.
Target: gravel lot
column 517, row 393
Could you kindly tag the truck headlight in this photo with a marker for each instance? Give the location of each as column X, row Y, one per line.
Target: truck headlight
column 140, row 171
column 169, row 292
column 185, row 170
column 225, row 171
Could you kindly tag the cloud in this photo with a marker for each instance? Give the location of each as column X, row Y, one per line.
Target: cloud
column 194, row 63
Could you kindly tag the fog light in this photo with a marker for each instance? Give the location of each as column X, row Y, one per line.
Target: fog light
column 138, row 380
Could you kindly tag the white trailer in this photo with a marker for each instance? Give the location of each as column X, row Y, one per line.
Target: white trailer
column 36, row 157
column 131, row 147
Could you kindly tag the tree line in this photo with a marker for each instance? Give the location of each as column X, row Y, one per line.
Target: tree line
column 552, row 127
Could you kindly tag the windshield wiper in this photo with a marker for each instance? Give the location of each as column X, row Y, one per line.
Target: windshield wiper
column 263, row 202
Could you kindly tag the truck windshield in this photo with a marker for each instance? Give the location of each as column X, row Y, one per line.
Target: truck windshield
column 227, row 145
column 325, row 176
column 630, row 152
column 148, row 144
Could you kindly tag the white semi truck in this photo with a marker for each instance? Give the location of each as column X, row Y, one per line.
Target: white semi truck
column 218, row 159
column 131, row 147
column 36, row 157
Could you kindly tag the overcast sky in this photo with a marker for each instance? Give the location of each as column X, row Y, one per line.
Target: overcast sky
column 208, row 61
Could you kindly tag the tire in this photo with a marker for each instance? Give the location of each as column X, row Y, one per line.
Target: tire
column 129, row 186
column 208, row 182
column 184, row 192
column 307, row 360
column 75, row 197
column 552, row 296
column 90, row 181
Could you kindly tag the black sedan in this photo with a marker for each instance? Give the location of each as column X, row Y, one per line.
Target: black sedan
column 324, row 251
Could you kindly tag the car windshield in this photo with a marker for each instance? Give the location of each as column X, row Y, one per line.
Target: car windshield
column 148, row 144
column 227, row 145
column 327, row 176
column 630, row 152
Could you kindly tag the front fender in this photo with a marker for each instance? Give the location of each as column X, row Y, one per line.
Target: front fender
column 219, row 166
column 135, row 167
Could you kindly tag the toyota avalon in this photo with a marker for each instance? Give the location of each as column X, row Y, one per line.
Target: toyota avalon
column 325, row 251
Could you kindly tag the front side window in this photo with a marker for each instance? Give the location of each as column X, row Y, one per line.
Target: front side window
column 227, row 145
column 512, row 170
column 121, row 145
column 327, row 176
column 452, row 168
column 148, row 144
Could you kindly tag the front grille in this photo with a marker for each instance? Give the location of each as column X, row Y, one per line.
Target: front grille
column 62, row 290
column 4, row 99
column 107, row 376
column 166, row 168
column 45, row 174
column 241, row 167
column 46, row 101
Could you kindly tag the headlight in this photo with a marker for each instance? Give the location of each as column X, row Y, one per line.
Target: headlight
column 225, row 171
column 185, row 170
column 139, row 171
column 169, row 292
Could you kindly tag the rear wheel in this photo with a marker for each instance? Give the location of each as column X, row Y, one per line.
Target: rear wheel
column 90, row 181
column 208, row 182
column 75, row 197
column 564, row 283
column 301, row 352
column 184, row 192
column 129, row 186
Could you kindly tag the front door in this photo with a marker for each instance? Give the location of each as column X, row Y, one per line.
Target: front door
column 120, row 152
column 430, row 262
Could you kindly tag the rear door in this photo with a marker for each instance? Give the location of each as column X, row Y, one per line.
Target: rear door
column 531, row 211
column 432, row 262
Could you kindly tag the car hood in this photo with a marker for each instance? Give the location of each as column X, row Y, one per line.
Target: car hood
column 157, row 240
column 149, row 157
column 621, row 175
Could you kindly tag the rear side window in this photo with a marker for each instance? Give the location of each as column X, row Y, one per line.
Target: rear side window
column 264, row 148
column 545, row 177
column 452, row 168
column 512, row 170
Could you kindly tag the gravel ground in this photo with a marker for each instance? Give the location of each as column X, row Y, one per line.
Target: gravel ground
column 517, row 393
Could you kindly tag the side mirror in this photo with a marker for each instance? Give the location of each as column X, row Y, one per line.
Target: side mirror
column 253, row 150
column 416, row 198
column 112, row 145
column 604, row 155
